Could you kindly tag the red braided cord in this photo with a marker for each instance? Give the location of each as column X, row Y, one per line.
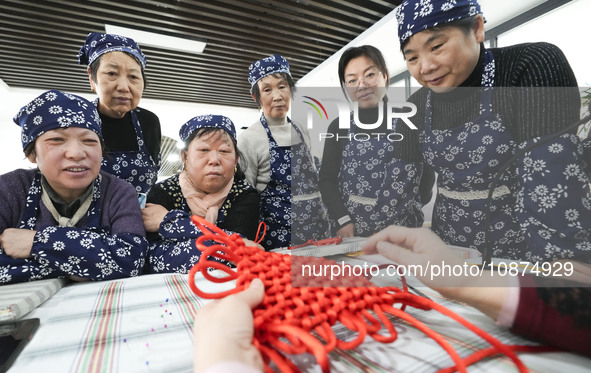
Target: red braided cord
column 500, row 347
column 491, row 351
column 294, row 305
column 257, row 239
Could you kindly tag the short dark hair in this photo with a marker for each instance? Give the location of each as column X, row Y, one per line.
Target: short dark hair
column 97, row 62
column 465, row 24
column 256, row 92
column 368, row 51
column 29, row 149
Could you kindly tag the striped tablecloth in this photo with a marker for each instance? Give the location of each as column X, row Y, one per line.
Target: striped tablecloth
column 143, row 324
column 131, row 325
column 17, row 300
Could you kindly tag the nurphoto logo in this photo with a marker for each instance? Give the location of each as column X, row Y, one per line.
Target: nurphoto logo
column 348, row 114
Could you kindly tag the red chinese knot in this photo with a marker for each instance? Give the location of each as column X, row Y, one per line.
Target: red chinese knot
column 294, row 306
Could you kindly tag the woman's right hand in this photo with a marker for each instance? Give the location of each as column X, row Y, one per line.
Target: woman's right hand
column 421, row 248
column 346, row 231
column 153, row 215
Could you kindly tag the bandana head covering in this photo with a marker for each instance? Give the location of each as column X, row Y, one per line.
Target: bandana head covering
column 267, row 66
column 207, row 121
column 98, row 44
column 54, row 109
column 414, row 16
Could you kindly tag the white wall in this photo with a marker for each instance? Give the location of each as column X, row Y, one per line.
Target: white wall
column 12, row 151
column 565, row 27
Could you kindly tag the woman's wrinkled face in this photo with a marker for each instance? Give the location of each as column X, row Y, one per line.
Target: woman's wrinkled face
column 443, row 59
column 210, row 161
column 119, row 84
column 275, row 96
column 365, row 83
column 69, row 158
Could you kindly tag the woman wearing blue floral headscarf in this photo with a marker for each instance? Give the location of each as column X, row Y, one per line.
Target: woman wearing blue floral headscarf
column 471, row 124
column 66, row 218
column 132, row 135
column 211, row 185
column 278, row 160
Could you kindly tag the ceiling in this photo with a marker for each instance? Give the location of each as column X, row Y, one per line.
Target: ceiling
column 40, row 41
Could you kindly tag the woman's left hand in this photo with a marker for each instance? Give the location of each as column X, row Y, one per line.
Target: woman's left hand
column 248, row 242
column 17, row 243
column 153, row 215
column 223, row 330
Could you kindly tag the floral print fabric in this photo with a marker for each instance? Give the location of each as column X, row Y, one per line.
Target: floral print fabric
column 283, row 188
column 379, row 189
column 88, row 251
column 55, row 109
column 417, row 15
column 309, row 216
column 134, row 166
column 176, row 251
column 541, row 209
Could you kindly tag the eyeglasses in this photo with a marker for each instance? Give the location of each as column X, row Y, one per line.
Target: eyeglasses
column 369, row 79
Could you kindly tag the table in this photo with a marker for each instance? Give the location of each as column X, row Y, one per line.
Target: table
column 143, row 324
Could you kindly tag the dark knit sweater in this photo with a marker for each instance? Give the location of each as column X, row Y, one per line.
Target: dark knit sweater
column 119, row 133
column 527, row 112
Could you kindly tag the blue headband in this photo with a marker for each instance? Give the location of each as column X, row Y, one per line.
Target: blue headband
column 54, row 109
column 98, row 44
column 207, row 121
column 417, row 15
column 267, row 66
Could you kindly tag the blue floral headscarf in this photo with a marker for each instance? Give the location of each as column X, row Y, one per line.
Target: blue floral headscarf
column 267, row 66
column 207, row 121
column 414, row 16
column 55, row 109
column 98, row 44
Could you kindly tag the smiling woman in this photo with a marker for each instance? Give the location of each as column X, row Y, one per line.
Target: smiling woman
column 443, row 59
column 66, row 218
column 78, row 153
column 477, row 109
column 364, row 184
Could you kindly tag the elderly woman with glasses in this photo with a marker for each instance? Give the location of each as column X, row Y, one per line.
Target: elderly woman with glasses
column 364, row 184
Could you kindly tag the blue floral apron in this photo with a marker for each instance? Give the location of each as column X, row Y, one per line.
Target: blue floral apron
column 309, row 216
column 134, row 166
column 379, row 189
column 35, row 269
column 29, row 219
column 466, row 159
column 276, row 198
